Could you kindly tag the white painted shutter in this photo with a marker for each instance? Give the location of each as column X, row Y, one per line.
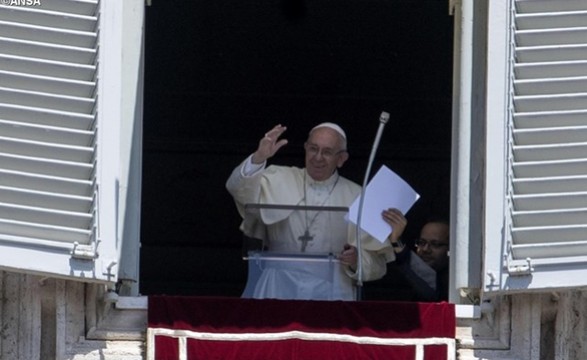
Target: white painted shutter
column 52, row 168
column 542, row 241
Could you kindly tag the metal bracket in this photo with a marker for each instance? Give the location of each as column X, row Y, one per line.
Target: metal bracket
column 108, row 268
column 517, row 267
column 83, row 252
column 520, row 269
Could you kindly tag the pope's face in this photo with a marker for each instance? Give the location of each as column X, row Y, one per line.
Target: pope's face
column 325, row 152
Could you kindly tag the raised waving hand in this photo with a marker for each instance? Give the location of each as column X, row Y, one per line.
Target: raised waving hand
column 269, row 144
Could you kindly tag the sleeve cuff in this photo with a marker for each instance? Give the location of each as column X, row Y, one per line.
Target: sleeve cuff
column 250, row 169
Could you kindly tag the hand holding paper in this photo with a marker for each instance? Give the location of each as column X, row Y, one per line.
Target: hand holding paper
column 386, row 190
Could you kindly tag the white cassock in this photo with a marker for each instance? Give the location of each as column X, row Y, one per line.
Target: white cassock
column 281, row 231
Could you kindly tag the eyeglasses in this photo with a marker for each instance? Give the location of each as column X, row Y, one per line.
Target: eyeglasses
column 327, row 153
column 434, row 244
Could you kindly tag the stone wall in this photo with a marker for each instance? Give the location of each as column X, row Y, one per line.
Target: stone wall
column 47, row 318
column 542, row 326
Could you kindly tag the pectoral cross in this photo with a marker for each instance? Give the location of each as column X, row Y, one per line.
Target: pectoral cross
column 304, row 239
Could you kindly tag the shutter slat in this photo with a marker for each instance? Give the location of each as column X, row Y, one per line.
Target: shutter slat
column 557, row 53
column 40, row 116
column 51, row 134
column 56, row 201
column 551, row 85
column 552, row 20
column 545, row 169
column 527, row 120
column 38, row 215
column 45, row 51
column 37, row 234
column 54, row 184
column 46, row 150
column 543, row 6
column 558, row 250
column 41, row 67
column 549, row 152
column 534, row 103
column 79, row 171
column 47, row 35
column 553, row 201
column 558, row 69
column 550, row 184
column 550, row 235
column 564, row 36
column 557, row 217
column 56, row 18
column 49, row 85
column 80, row 7
column 553, row 135
column 47, row 101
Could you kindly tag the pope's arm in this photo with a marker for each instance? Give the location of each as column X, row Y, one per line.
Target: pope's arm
column 244, row 183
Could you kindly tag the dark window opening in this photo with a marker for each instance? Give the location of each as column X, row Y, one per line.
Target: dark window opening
column 219, row 74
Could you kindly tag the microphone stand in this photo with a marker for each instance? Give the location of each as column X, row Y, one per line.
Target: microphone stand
column 383, row 118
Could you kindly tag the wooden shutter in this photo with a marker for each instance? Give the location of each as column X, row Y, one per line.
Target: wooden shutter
column 51, row 133
column 542, row 241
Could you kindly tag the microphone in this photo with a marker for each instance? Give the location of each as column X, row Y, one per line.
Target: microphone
column 383, row 119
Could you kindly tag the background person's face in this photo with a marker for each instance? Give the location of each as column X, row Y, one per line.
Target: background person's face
column 435, row 251
column 323, row 153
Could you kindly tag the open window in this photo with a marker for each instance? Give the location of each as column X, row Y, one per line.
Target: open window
column 67, row 170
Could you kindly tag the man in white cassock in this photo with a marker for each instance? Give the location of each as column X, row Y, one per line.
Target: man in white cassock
column 306, row 231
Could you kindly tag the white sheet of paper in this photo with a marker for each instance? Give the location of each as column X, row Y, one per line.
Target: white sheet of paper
column 386, row 190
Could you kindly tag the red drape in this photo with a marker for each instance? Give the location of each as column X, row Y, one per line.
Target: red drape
column 294, row 329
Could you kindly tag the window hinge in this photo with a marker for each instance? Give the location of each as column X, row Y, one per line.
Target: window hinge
column 521, row 268
column 83, row 252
